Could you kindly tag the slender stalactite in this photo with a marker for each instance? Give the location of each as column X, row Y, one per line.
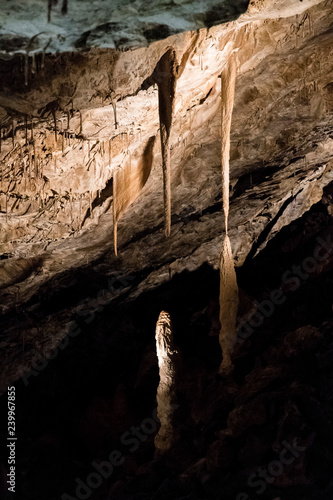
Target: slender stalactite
column 26, row 128
column 26, row 68
column 115, row 218
column 110, row 153
column 62, row 138
column 13, row 131
column 168, row 360
column 30, row 166
column 35, row 159
column 165, row 75
column 228, row 281
column 54, row 115
column 114, row 106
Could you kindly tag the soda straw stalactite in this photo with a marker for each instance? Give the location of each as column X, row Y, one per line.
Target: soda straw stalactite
column 26, row 68
column 25, row 173
column 29, row 165
column 110, row 153
column 114, row 106
column 13, row 132
column 71, row 205
column 54, row 114
column 62, row 138
column 35, row 160
column 26, row 128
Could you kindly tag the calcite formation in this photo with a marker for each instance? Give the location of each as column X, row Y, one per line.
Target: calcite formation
column 168, row 363
column 228, row 280
column 106, row 117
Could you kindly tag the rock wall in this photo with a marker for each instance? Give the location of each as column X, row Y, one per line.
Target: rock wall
column 74, row 121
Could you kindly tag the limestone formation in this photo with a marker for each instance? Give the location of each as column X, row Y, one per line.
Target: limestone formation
column 128, row 181
column 165, row 77
column 167, row 357
column 228, row 281
column 94, row 63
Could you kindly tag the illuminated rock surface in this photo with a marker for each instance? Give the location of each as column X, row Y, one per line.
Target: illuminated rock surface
column 81, row 150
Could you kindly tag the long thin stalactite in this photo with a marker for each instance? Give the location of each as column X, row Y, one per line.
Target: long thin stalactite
column 165, row 76
column 228, row 280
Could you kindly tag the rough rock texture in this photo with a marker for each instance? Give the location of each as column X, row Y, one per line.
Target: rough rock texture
column 103, row 383
column 168, row 364
column 93, row 105
column 57, row 173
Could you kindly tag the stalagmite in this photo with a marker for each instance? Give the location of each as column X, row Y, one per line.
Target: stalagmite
column 32, row 129
column 168, row 359
column 80, row 122
column 166, row 79
column 228, row 281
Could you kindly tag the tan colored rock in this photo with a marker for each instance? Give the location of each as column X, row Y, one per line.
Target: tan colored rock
column 166, row 396
column 228, row 281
